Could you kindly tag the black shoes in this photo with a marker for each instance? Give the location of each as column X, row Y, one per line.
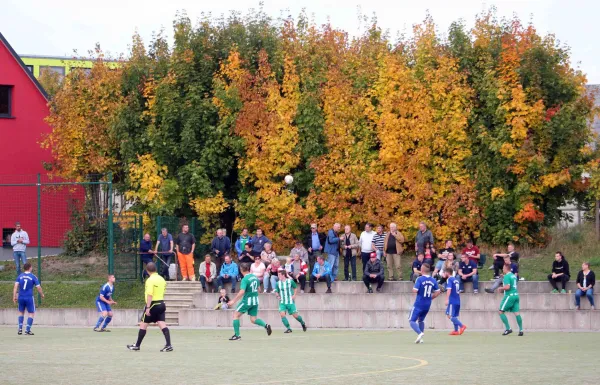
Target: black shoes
column 328, row 290
column 312, row 291
column 370, row 291
column 488, row 290
column 133, row 348
column 520, row 334
column 379, row 290
column 167, row 348
column 20, row 332
column 288, row 331
column 235, row 338
column 507, row 332
column 269, row 331
column 29, row 333
column 304, row 327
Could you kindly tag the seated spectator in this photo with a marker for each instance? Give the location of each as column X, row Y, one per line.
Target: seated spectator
column 223, row 300
column 299, row 271
column 443, row 255
column 467, row 272
column 229, row 273
column 321, row 273
column 586, row 279
column 560, row 273
column 449, row 263
column 299, row 249
column 514, row 268
column 472, row 252
column 270, row 278
column 146, row 252
column 258, row 269
column 267, row 254
column 246, row 255
column 429, row 254
column 288, row 265
column 416, row 267
column 373, row 273
column 500, row 259
column 208, row 273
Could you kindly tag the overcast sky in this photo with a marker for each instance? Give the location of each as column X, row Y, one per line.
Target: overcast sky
column 59, row 27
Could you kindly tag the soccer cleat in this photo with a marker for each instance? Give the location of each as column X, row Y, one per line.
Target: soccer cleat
column 235, row 338
column 20, row 332
column 96, row 329
column 269, row 331
column 328, row 290
column 105, row 330
column 29, row 333
column 521, row 333
column 462, row 329
column 419, row 338
column 133, row 348
column 288, row 331
column 304, row 327
column 454, row 333
column 507, row 332
column 488, row 290
column 422, row 341
column 167, row 348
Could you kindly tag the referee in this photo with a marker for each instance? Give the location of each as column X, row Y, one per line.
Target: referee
column 154, row 312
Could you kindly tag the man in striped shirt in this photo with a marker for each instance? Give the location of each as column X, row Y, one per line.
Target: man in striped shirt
column 378, row 241
column 286, row 291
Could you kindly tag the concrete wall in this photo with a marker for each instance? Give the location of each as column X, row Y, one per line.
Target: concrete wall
column 72, row 317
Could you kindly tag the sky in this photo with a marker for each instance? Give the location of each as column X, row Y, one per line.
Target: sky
column 60, row 27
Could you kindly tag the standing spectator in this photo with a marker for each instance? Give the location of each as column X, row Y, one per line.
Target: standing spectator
column 416, row 267
column 19, row 241
column 270, row 278
column 393, row 248
column 246, row 255
column 258, row 242
column 240, row 244
column 373, row 273
column 366, row 245
column 442, row 256
column 349, row 244
column 423, row 235
column 299, row 271
column 258, row 269
column 514, row 268
column 146, row 253
column 379, row 241
column 301, row 250
column 314, row 243
column 430, row 253
column 165, row 241
column 208, row 274
column 467, row 272
column 185, row 244
column 221, row 246
column 472, row 252
column 321, row 273
column 332, row 249
column 560, row 272
column 268, row 255
column 586, row 279
column 229, row 273
column 499, row 259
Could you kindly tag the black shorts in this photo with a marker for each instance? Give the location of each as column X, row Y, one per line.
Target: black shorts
column 157, row 313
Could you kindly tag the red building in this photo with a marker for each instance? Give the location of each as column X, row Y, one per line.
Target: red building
column 23, row 108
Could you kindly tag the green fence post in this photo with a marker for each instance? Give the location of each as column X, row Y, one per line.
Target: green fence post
column 158, row 262
column 39, row 232
column 111, row 253
column 141, row 231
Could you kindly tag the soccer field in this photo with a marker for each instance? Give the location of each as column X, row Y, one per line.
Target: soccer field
column 80, row 356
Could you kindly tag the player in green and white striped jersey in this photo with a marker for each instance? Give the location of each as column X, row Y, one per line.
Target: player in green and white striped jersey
column 286, row 291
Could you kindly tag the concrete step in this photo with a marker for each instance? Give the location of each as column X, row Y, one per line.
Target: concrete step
column 394, row 319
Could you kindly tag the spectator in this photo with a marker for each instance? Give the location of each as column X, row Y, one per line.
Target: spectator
column 443, row 255
column 332, row 249
column 268, row 255
column 165, row 241
column 258, row 242
column 499, row 259
column 321, row 273
column 146, row 253
column 586, row 279
column 220, row 246
column 208, row 274
column 288, row 265
column 514, row 268
column 423, row 235
column 379, row 241
column 366, row 245
column 185, row 244
column 373, row 273
column 270, row 278
column 314, row 243
column 472, row 252
column 229, row 273
column 560, row 273
column 449, row 263
column 301, row 250
column 19, row 241
column 246, row 255
column 299, row 271
column 258, row 269
column 416, row 267
column 467, row 272
column 242, row 241
column 393, row 248
column 430, row 254
column 222, row 303
column 349, row 245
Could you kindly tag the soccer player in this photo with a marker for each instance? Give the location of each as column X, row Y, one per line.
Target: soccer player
column 248, row 304
column 286, row 290
column 453, row 302
column 426, row 289
column 510, row 302
column 24, row 285
column 155, row 309
column 103, row 302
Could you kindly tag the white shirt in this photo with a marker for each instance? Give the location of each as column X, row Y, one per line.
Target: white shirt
column 19, row 235
column 258, row 271
column 366, row 241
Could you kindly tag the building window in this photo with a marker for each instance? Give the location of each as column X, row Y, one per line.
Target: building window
column 58, row 70
column 29, row 67
column 6, row 101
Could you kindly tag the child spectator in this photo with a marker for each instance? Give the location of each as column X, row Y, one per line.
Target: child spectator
column 289, row 268
column 223, row 300
column 416, row 267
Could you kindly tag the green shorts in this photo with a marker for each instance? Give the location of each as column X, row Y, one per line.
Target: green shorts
column 251, row 310
column 510, row 304
column 290, row 309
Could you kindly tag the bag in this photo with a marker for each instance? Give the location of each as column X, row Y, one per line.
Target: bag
column 173, row 272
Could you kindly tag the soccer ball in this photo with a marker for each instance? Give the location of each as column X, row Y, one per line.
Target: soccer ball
column 288, row 179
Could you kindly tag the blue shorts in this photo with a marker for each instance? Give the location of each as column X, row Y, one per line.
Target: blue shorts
column 26, row 303
column 453, row 310
column 102, row 306
column 417, row 313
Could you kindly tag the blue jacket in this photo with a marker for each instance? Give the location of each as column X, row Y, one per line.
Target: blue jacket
column 327, row 268
column 332, row 244
column 230, row 270
column 223, row 245
column 258, row 244
column 145, row 246
column 238, row 244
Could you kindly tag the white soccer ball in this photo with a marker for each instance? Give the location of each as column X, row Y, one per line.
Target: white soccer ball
column 289, row 179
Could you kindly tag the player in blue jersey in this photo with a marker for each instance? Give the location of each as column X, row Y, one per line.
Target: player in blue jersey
column 23, row 295
column 426, row 289
column 103, row 302
column 453, row 302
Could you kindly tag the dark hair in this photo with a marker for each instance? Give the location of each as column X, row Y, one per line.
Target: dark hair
column 469, row 241
column 248, row 244
column 507, row 266
column 151, row 267
column 282, row 271
column 244, row 266
column 27, row 266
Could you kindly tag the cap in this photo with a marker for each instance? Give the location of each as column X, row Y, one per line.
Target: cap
column 373, row 254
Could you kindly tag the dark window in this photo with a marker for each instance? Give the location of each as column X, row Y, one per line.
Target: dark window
column 58, row 70
column 30, row 68
column 5, row 101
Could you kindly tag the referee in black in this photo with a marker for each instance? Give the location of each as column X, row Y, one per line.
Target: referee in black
column 154, row 312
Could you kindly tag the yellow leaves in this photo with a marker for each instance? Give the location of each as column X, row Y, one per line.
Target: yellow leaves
column 508, row 150
column 555, row 179
column 497, row 192
column 147, row 177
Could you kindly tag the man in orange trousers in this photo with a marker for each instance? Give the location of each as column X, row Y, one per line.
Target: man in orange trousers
column 185, row 243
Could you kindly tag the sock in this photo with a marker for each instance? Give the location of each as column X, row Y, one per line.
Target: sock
column 285, row 321
column 520, row 322
column 260, row 322
column 29, row 324
column 299, row 319
column 106, row 322
column 456, row 322
column 21, row 318
column 167, row 334
column 100, row 320
column 505, row 321
column 236, row 327
column 141, row 335
column 422, row 326
column 415, row 327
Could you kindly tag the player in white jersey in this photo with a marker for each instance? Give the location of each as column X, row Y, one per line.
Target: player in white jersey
column 286, row 291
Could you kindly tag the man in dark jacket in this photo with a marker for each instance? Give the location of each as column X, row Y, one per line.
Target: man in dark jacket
column 258, row 242
column 314, row 243
column 373, row 273
column 220, row 246
column 560, row 273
